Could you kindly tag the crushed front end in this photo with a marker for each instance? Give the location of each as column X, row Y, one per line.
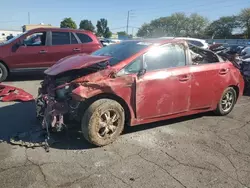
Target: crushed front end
column 54, row 102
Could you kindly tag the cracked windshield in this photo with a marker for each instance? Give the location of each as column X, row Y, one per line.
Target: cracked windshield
column 129, row 93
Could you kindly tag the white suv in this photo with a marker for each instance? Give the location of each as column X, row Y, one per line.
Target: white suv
column 197, row 42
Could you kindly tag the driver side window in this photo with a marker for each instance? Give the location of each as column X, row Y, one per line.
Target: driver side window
column 164, row 57
column 35, row 39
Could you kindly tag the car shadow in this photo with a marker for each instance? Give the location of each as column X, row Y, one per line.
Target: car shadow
column 17, row 117
column 148, row 126
column 20, row 117
column 25, row 76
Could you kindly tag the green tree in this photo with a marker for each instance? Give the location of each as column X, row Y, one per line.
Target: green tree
column 123, row 33
column 87, row 25
column 222, row 28
column 68, row 23
column 176, row 25
column 196, row 25
column 244, row 19
column 103, row 29
column 145, row 30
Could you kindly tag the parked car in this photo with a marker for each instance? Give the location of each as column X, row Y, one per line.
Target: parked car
column 40, row 48
column 197, row 42
column 136, row 82
column 246, row 51
column 107, row 42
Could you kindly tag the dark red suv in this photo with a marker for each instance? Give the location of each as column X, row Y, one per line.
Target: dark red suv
column 40, row 48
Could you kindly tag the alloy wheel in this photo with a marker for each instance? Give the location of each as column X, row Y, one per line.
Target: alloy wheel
column 227, row 101
column 108, row 123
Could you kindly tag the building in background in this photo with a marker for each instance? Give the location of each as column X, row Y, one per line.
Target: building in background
column 34, row 26
column 5, row 33
column 114, row 36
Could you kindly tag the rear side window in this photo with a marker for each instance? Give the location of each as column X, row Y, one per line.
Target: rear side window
column 196, row 43
column 60, row 38
column 202, row 56
column 84, row 38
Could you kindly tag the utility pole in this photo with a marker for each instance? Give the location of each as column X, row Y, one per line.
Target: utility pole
column 128, row 21
column 29, row 17
column 128, row 18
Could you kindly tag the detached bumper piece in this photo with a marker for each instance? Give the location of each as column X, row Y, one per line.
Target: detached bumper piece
column 10, row 93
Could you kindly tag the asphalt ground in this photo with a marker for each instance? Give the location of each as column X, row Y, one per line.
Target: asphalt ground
column 195, row 151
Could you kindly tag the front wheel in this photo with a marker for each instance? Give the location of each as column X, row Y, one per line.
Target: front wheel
column 103, row 122
column 227, row 102
column 3, row 72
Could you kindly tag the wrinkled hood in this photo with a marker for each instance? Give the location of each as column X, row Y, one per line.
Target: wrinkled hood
column 74, row 62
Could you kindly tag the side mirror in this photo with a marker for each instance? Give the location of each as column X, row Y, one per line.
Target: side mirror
column 141, row 73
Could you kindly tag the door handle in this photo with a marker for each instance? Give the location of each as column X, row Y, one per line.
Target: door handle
column 184, row 78
column 43, row 52
column 223, row 71
column 76, row 49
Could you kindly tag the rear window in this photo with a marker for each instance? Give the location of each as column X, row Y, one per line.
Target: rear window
column 84, row 38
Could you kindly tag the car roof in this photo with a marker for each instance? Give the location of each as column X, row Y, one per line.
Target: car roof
column 61, row 29
column 185, row 38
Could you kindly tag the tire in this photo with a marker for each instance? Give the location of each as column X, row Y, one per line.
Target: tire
column 221, row 109
column 3, row 72
column 96, row 113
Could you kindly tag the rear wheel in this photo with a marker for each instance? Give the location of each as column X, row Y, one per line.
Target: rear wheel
column 3, row 72
column 227, row 102
column 103, row 122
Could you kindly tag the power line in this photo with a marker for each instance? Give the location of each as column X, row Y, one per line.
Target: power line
column 9, row 21
column 184, row 9
column 212, row 8
column 118, row 28
column 157, row 8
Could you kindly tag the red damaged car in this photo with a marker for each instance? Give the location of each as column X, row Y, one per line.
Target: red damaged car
column 136, row 82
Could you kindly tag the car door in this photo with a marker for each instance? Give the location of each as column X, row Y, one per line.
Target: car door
column 30, row 52
column 62, row 44
column 204, row 72
column 224, row 77
column 164, row 89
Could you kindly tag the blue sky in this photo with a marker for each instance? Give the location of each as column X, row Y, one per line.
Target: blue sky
column 14, row 13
